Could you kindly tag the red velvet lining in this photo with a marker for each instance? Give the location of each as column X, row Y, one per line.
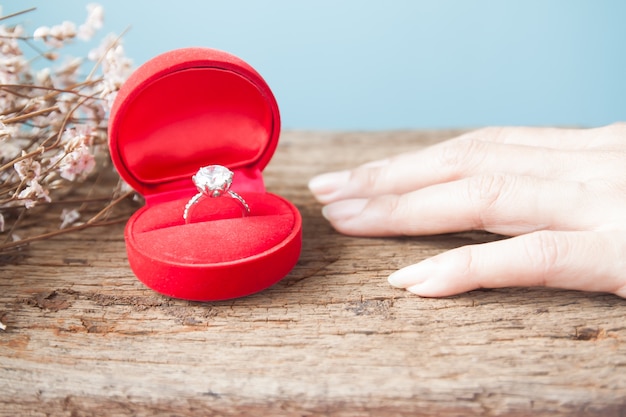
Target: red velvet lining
column 192, row 118
column 217, row 232
column 189, row 108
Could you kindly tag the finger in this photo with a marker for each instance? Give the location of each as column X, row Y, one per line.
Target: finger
column 543, row 137
column 604, row 137
column 587, row 261
column 461, row 159
column 502, row 204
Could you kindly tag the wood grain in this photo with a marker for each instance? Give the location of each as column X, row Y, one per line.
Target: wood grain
column 84, row 337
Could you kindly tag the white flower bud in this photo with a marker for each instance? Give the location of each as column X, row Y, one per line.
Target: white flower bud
column 41, row 33
column 68, row 29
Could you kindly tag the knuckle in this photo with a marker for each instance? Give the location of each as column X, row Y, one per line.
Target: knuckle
column 493, row 134
column 398, row 213
column 466, row 261
column 457, row 155
column 397, row 207
column 545, row 250
column 485, row 190
column 366, row 178
column 387, row 203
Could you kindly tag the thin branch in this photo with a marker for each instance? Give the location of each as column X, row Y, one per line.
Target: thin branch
column 94, row 221
column 83, row 201
column 9, row 16
column 114, row 43
column 108, row 207
column 30, row 115
column 58, row 232
column 53, row 91
column 14, row 226
column 67, row 117
column 10, row 164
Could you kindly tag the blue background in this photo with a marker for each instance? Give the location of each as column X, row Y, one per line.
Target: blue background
column 363, row 65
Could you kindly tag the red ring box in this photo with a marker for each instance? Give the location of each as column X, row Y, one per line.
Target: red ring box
column 180, row 111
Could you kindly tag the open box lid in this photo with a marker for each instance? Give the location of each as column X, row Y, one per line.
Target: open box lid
column 189, row 108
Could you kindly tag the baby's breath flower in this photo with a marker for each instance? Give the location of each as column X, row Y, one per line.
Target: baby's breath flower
column 53, row 120
column 94, row 22
column 41, row 33
column 76, row 136
column 55, row 36
column 12, row 61
column 115, row 68
column 76, row 164
column 6, row 132
column 69, row 217
column 43, row 76
column 32, row 193
column 27, row 169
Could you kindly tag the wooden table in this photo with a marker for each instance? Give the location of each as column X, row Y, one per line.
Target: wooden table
column 84, row 337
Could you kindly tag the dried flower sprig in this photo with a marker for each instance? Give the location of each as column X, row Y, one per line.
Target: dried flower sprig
column 53, row 133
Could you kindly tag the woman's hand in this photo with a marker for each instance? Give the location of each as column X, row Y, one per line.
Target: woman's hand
column 561, row 194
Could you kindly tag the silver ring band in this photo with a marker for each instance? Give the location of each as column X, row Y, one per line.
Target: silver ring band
column 213, row 181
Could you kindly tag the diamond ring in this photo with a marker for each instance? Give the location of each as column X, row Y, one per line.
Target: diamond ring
column 213, row 181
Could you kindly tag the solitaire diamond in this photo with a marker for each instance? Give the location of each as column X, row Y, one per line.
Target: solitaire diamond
column 213, row 180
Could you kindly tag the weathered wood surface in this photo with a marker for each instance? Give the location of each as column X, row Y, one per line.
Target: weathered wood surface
column 84, row 337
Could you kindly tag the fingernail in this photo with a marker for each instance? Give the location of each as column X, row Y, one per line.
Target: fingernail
column 428, row 288
column 413, row 274
column 342, row 210
column 326, row 184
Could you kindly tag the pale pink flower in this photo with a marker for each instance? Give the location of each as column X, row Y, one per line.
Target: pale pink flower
column 18, row 31
column 43, row 77
column 9, row 43
column 67, row 30
column 76, row 164
column 12, row 61
column 6, row 131
column 1, row 223
column 116, row 68
column 55, row 36
column 27, row 169
column 94, row 22
column 79, row 135
column 41, row 33
column 69, row 217
column 65, row 102
column 32, row 193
